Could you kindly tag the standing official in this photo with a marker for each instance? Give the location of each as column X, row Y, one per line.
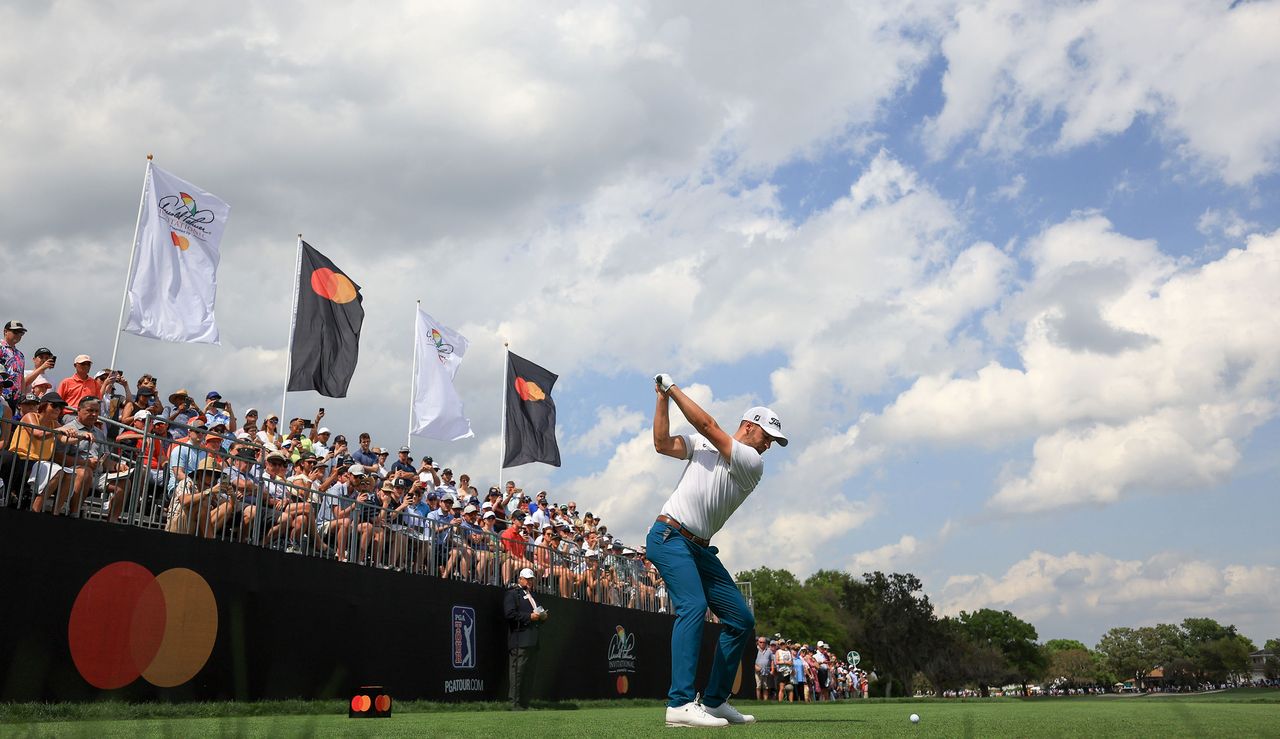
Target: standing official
column 523, row 617
column 722, row 471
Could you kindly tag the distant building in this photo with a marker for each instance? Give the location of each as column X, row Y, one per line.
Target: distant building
column 1258, row 663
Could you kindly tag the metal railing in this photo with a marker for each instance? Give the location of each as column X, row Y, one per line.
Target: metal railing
column 145, row 479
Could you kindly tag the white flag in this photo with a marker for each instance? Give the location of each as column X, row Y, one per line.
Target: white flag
column 175, row 280
column 437, row 409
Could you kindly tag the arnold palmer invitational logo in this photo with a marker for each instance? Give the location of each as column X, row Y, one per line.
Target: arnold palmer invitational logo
column 622, row 657
column 185, row 217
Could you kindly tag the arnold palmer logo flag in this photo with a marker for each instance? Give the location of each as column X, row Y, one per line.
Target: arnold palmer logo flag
column 531, row 414
column 326, row 332
column 175, row 279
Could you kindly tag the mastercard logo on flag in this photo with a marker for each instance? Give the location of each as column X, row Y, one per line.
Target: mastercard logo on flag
column 182, row 242
column 127, row 623
column 529, row 390
column 332, row 285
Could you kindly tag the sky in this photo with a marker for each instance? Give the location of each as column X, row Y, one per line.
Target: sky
column 1007, row 272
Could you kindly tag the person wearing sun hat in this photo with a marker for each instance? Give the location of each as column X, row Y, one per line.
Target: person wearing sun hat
column 193, row 499
column 720, row 472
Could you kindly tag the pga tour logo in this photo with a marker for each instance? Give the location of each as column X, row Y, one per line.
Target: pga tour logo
column 464, row 637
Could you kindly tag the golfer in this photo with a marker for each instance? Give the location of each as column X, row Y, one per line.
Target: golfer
column 722, row 471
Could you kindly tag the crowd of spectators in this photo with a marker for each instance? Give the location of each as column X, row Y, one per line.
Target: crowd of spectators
column 200, row 468
column 794, row 672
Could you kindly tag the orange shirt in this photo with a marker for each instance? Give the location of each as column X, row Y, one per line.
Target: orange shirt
column 73, row 390
column 513, row 542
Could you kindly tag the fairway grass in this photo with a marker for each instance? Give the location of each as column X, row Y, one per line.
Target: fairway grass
column 1235, row 714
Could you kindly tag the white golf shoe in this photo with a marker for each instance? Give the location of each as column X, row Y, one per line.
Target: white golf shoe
column 730, row 714
column 695, row 715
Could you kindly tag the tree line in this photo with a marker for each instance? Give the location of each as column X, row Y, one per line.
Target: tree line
column 889, row 620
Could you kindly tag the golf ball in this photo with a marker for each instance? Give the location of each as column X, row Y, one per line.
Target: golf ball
column 915, row 718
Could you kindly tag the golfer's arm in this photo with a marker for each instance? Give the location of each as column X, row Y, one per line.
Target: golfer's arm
column 703, row 423
column 663, row 441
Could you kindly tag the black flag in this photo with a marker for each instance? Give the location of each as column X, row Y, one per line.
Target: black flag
column 326, row 333
column 531, row 414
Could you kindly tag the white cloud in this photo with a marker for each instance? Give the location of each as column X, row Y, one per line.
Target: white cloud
column 1018, row 71
column 611, row 422
column 888, row 558
column 1013, row 189
column 1136, row 371
column 1081, row 595
column 1228, row 223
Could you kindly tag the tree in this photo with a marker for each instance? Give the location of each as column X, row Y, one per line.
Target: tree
column 1271, row 667
column 1058, row 645
column 1074, row 667
column 1122, row 652
column 784, row 606
column 1165, row 646
column 895, row 623
column 1012, row 637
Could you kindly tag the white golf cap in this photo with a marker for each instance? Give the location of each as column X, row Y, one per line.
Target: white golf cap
column 323, row 430
column 527, row 574
column 767, row 420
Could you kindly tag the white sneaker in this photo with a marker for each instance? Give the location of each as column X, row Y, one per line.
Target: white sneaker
column 730, row 714
column 693, row 714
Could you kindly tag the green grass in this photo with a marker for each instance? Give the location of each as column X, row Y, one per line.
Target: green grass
column 1240, row 713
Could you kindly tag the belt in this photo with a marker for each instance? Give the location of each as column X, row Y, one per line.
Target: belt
column 686, row 533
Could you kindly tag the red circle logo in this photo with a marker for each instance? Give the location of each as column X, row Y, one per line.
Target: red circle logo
column 127, row 623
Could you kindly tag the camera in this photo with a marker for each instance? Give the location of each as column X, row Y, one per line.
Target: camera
column 220, row 405
column 308, row 424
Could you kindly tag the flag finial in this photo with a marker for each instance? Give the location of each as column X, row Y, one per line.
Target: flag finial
column 149, row 155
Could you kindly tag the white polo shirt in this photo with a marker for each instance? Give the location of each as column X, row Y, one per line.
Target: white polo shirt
column 712, row 488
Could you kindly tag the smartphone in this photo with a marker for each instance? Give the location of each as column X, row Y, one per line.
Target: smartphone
column 322, row 411
column 220, row 404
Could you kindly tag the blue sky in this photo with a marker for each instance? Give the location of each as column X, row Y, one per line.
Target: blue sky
column 1006, row 270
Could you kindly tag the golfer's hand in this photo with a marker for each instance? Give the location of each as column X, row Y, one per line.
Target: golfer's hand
column 664, row 382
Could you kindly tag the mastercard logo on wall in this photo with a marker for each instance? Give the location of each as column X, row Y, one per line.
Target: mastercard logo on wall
column 127, row 623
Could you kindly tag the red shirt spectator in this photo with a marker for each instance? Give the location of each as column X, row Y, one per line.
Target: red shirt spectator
column 514, row 542
column 80, row 385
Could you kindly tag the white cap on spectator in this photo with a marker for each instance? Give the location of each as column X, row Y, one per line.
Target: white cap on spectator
column 489, row 514
column 470, row 509
column 356, row 469
column 142, row 415
column 821, row 643
column 323, row 430
column 527, row 574
column 82, row 358
column 251, row 412
column 100, row 374
column 485, row 506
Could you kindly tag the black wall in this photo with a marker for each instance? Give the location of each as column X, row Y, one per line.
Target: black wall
column 293, row 626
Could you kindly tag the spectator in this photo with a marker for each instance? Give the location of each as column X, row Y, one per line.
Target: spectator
column 515, row 544
column 114, row 401
column 294, row 514
column 783, row 667
column 574, row 516
column 269, row 435
column 31, row 450
column 144, row 399
column 194, row 498
column 320, row 447
column 763, row 668
column 403, row 467
column 447, row 486
column 364, row 454
column 91, row 460
column 241, row 477
column 182, row 409
column 263, row 508
column 80, row 385
column 380, row 462
column 13, row 363
column 248, row 431
column 186, row 453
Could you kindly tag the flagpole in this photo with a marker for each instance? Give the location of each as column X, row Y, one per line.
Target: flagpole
column 133, row 254
column 502, row 429
column 293, row 322
column 413, row 381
